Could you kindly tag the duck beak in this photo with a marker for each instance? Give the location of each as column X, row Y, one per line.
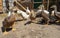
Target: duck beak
column 51, row 7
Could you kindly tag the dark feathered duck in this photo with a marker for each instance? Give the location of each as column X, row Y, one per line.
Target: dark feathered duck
column 56, row 13
column 9, row 21
column 44, row 13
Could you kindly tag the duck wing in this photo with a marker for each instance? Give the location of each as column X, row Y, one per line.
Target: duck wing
column 58, row 15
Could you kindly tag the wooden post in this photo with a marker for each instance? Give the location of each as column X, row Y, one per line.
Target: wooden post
column 33, row 3
column 20, row 5
column 48, row 5
column 43, row 2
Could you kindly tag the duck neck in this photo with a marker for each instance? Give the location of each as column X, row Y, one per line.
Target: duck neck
column 13, row 13
column 42, row 7
column 9, row 13
column 55, row 9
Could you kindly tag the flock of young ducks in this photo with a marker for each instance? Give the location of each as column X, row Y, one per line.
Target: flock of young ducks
column 31, row 15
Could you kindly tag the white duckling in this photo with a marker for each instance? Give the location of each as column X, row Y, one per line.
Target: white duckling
column 27, row 10
column 9, row 13
column 41, row 8
column 26, row 16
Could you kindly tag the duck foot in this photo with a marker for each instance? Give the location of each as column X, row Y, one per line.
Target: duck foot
column 5, row 33
column 13, row 29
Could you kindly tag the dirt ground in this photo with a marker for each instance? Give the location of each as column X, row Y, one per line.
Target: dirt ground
column 31, row 31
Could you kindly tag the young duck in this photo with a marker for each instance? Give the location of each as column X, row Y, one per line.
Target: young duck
column 9, row 21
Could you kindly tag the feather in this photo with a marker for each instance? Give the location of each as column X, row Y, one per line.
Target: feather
column 23, row 14
column 27, row 10
column 9, row 13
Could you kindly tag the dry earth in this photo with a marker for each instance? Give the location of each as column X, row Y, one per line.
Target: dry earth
column 31, row 30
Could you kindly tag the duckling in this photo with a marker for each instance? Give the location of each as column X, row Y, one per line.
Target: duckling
column 9, row 21
column 56, row 13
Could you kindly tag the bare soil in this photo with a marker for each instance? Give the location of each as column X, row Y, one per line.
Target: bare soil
column 31, row 31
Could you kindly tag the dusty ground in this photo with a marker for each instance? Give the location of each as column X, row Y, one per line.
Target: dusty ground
column 31, row 30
